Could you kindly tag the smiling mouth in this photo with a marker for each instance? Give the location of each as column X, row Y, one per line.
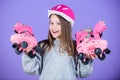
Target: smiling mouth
column 55, row 32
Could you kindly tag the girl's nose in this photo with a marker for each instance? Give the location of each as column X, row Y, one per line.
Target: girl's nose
column 54, row 26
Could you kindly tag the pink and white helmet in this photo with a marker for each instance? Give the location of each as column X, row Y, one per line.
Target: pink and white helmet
column 63, row 11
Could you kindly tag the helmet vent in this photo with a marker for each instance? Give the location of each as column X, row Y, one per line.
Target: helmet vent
column 65, row 9
column 58, row 6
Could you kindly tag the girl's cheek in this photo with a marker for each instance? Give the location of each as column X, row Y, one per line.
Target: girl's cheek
column 49, row 27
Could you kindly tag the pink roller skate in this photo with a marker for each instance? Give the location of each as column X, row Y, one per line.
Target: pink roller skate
column 23, row 39
column 89, row 42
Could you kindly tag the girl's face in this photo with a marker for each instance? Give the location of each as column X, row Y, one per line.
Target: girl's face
column 55, row 26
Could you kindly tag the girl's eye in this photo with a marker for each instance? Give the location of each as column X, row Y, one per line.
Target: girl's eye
column 58, row 24
column 51, row 23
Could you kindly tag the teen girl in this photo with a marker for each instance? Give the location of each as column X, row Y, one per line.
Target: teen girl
column 57, row 59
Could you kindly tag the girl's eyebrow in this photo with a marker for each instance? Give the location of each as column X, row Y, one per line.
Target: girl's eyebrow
column 55, row 21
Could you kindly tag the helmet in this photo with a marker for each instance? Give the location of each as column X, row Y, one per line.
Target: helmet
column 63, row 11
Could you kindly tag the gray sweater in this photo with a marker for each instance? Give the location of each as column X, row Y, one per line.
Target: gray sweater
column 56, row 65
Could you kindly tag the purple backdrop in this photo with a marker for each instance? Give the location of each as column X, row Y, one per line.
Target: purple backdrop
column 34, row 13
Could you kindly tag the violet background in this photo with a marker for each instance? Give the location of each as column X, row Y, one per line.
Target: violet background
column 34, row 13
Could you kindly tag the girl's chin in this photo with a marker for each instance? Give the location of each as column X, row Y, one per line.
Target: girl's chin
column 56, row 37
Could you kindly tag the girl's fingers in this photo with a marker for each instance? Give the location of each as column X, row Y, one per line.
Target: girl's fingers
column 27, row 50
column 91, row 56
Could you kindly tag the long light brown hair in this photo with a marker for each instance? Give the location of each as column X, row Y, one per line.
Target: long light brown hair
column 66, row 42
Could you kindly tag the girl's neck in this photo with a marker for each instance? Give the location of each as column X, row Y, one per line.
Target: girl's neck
column 57, row 39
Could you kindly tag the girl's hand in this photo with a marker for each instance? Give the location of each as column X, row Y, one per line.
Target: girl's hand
column 27, row 50
column 91, row 56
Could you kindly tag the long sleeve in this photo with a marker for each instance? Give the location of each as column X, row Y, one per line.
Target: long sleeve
column 32, row 65
column 82, row 70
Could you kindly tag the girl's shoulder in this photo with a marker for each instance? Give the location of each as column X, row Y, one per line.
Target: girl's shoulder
column 42, row 42
column 74, row 42
column 75, row 45
column 45, row 40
